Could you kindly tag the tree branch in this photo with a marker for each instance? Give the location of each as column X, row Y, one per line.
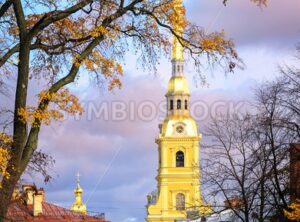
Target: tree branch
column 32, row 140
column 54, row 16
column 8, row 54
column 5, row 7
column 21, row 21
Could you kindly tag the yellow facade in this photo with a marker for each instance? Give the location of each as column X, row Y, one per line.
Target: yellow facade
column 178, row 193
column 177, row 177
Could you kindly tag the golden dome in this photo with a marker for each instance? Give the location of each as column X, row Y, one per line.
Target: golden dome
column 78, row 189
column 78, row 205
column 178, row 85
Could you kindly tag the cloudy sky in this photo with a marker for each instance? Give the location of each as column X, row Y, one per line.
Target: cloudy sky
column 116, row 153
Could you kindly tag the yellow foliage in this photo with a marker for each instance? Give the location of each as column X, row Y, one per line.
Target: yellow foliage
column 69, row 36
column 98, row 31
column 177, row 16
column 69, row 27
column 5, row 139
column 109, row 68
column 214, row 42
column 5, row 143
column 115, row 83
column 175, row 12
column 294, row 211
column 24, row 114
column 63, row 102
column 119, row 69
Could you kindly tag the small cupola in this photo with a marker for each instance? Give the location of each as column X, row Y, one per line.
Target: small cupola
column 78, row 205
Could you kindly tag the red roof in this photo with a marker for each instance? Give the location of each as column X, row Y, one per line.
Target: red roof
column 19, row 211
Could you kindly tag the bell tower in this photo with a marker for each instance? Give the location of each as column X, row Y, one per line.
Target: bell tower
column 178, row 192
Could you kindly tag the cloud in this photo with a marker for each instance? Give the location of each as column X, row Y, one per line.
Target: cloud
column 276, row 25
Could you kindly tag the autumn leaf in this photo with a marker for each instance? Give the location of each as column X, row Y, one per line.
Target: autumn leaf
column 293, row 212
column 63, row 102
column 5, row 143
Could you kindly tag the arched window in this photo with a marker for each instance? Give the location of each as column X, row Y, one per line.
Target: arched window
column 203, row 219
column 179, row 159
column 185, row 104
column 178, row 104
column 171, row 104
column 180, row 201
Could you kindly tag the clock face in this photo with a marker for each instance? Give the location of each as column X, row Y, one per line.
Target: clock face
column 179, row 129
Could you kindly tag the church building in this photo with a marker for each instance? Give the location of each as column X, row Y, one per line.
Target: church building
column 178, row 195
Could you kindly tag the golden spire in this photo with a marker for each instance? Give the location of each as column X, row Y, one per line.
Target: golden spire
column 178, row 26
column 78, row 205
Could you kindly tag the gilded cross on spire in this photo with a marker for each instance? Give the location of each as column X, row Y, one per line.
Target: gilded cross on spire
column 78, row 177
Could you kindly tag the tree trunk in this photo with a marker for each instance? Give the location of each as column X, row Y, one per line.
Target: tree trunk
column 15, row 167
column 7, row 191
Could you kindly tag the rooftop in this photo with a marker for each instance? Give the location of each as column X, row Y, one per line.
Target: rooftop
column 30, row 205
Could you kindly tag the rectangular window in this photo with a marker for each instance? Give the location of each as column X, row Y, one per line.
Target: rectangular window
column 178, row 104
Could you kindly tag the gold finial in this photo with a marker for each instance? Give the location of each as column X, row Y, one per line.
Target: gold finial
column 178, row 26
column 78, row 178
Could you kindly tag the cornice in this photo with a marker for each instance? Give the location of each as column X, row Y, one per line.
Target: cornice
column 178, row 139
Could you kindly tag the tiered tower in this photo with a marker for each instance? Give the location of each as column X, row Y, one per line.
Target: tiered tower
column 178, row 194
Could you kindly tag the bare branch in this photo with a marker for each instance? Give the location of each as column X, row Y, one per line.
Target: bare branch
column 5, row 7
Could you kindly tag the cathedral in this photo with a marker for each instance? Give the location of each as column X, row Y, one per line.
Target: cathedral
column 178, row 195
